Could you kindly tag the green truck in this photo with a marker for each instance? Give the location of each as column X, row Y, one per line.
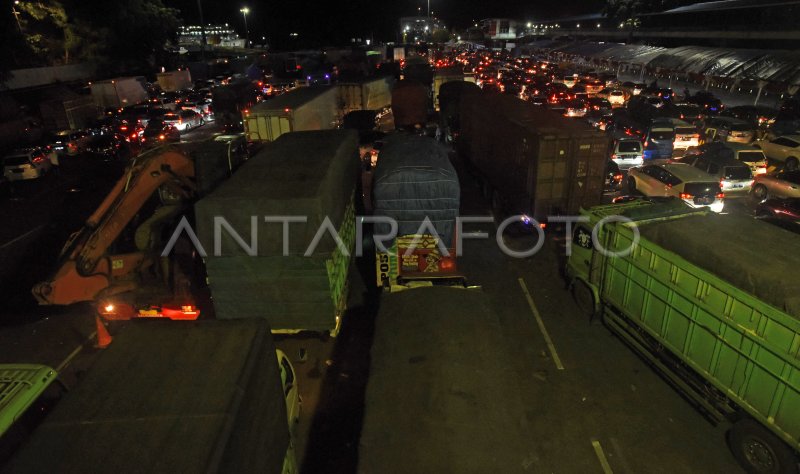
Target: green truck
column 170, row 397
column 274, row 272
column 710, row 301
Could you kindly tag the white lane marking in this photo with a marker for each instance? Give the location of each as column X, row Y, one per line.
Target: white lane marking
column 550, row 345
column 20, row 237
column 74, row 353
column 601, row 456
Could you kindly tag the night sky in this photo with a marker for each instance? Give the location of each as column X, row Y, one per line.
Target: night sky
column 321, row 22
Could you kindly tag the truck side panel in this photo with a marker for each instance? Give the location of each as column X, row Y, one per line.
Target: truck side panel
column 747, row 349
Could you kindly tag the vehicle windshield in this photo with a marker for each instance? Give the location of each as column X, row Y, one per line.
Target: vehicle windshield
column 738, row 172
column 740, row 127
column 752, row 156
column 702, row 189
column 685, row 131
column 16, row 160
column 629, row 147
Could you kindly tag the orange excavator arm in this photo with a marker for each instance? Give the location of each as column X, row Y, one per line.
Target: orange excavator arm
column 86, row 270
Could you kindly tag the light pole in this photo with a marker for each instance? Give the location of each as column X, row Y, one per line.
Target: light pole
column 429, row 8
column 245, row 11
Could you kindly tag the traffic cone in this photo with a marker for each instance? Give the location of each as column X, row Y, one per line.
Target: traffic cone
column 103, row 337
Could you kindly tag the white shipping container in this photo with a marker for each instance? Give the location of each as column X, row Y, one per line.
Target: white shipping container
column 303, row 109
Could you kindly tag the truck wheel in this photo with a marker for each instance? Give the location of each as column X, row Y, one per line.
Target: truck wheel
column 759, row 451
column 584, row 298
column 791, row 163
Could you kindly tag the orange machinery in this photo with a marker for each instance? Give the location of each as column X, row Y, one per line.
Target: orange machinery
column 89, row 270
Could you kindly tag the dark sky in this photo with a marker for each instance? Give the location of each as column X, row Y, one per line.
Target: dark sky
column 328, row 22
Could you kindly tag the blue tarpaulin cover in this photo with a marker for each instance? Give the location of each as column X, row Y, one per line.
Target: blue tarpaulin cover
column 414, row 179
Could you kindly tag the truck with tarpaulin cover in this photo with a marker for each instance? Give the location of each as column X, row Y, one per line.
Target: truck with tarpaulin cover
column 442, row 76
column 415, row 185
column 301, row 109
column 168, row 397
column 442, row 394
column 281, row 273
column 368, row 94
column 230, row 100
column 532, row 163
column 720, row 322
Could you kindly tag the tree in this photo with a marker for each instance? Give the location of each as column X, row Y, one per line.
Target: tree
column 125, row 35
column 441, row 36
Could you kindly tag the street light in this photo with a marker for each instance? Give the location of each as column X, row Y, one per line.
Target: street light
column 245, row 11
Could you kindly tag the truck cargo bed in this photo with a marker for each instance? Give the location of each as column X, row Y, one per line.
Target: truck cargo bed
column 170, row 397
column 441, row 395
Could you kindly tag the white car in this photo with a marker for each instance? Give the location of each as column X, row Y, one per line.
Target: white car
column 627, row 153
column 616, row 98
column 30, row 163
column 680, row 180
column 785, row 149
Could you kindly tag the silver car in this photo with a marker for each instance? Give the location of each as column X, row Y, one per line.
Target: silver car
column 785, row 184
column 694, row 187
column 30, row 163
column 733, row 175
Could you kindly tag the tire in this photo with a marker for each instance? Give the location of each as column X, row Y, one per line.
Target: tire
column 630, row 185
column 759, row 451
column 584, row 298
column 791, row 163
column 760, row 192
column 202, row 122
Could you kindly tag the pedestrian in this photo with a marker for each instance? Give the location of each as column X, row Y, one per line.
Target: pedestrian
column 54, row 163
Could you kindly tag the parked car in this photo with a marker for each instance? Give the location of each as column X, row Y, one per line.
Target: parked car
column 627, row 152
column 109, row 148
column 575, row 108
column 614, row 176
column 782, row 211
column 157, row 132
column 617, row 98
column 749, row 155
column 183, row 120
column 696, row 188
column 27, row 163
column 785, row 149
column 733, row 175
column 784, row 184
column 201, row 106
column 70, row 143
column 728, row 129
column 659, row 141
column 707, row 101
column 756, row 116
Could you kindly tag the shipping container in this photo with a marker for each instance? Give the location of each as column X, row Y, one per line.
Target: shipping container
column 118, row 93
column 169, row 397
column 532, row 162
column 374, row 94
column 282, row 277
column 173, row 81
column 302, row 109
column 710, row 300
column 442, row 395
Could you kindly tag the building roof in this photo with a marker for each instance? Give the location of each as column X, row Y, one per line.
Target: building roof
column 727, row 5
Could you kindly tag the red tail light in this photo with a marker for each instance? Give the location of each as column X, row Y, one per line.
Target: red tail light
column 686, row 196
column 720, row 195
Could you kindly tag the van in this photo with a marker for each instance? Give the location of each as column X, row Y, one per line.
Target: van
column 749, row 155
column 659, row 141
column 627, row 152
column 728, row 129
column 733, row 175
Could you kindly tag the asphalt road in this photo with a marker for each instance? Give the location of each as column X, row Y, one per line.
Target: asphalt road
column 591, row 399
